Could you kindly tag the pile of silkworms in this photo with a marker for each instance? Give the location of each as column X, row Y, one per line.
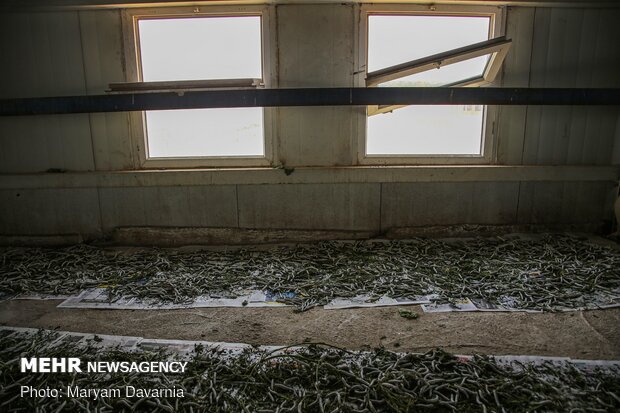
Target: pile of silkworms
column 549, row 273
column 309, row 378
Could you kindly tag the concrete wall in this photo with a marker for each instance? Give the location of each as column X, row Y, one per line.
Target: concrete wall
column 79, row 52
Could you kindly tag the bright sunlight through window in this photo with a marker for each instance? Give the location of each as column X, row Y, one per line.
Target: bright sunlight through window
column 394, row 40
column 202, row 48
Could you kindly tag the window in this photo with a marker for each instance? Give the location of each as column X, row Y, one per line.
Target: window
column 185, row 49
column 423, row 48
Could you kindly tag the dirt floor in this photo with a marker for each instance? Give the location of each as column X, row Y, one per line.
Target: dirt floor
column 585, row 335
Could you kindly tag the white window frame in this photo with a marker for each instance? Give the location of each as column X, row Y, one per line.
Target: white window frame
column 130, row 18
column 490, row 114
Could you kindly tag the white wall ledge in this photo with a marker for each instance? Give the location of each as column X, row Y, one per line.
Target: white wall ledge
column 310, row 175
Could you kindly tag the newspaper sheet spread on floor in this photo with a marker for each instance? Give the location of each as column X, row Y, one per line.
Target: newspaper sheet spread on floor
column 185, row 347
column 100, row 298
column 549, row 272
column 235, row 377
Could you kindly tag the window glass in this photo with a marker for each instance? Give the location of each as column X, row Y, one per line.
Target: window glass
column 444, row 75
column 205, row 132
column 395, row 39
column 426, row 130
column 202, row 48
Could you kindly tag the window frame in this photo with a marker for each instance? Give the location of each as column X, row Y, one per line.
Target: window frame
column 138, row 126
column 490, row 113
column 497, row 48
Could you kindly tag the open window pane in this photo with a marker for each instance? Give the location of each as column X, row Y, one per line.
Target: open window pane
column 200, row 48
column 205, row 132
column 445, row 75
column 426, row 130
column 395, row 39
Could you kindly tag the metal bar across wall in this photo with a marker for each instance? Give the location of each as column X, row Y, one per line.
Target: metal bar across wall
column 307, row 97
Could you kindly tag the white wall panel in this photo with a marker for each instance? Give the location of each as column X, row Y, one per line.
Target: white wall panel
column 50, row 212
column 516, row 73
column 420, row 204
column 41, row 54
column 573, row 48
column 310, row 206
column 42, row 57
column 39, row 143
column 102, row 47
column 565, row 202
column 197, row 206
column 316, row 49
column 615, row 160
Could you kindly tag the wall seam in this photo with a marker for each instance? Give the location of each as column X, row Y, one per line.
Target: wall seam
column 90, row 123
column 381, row 207
column 529, row 84
column 518, row 200
column 100, row 211
column 237, row 203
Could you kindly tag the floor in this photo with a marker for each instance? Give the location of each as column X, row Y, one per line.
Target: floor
column 586, row 335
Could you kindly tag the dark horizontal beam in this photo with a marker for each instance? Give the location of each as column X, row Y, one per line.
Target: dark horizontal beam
column 307, row 97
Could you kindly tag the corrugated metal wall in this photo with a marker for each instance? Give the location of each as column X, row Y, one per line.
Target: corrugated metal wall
column 80, row 52
column 561, row 47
